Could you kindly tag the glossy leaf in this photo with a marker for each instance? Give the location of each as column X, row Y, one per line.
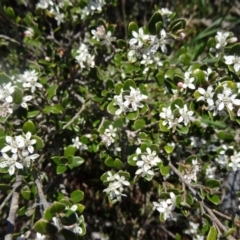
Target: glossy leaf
column 77, row 196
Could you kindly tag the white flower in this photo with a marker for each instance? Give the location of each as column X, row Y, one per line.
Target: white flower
column 210, row 171
column 99, row 33
column 191, row 172
column 226, row 99
column 96, row 5
column 43, row 4
column 139, row 38
column 165, row 12
column 164, row 41
column 110, row 131
column 188, row 81
column 29, row 80
column 221, row 39
column 5, row 109
column 206, row 95
column 233, row 60
column 106, row 139
column 39, row 236
column 25, row 100
column 14, row 144
column 29, row 142
column 79, row 145
column 133, row 100
column 59, row 17
column 29, row 33
column 6, row 90
column 235, row 161
column 166, row 206
column 27, row 160
column 83, row 58
column 207, row 73
column 11, row 163
column 185, row 114
column 116, row 186
column 166, row 114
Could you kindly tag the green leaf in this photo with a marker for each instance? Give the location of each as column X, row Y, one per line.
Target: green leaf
column 39, row 144
column 57, row 207
column 214, row 199
column 32, row 114
column 129, row 83
column 164, row 170
column 212, row 183
column 139, row 124
column 111, row 108
column 51, row 91
column 61, row 169
column 162, row 127
column 69, row 151
column 109, row 162
column 17, row 95
column 179, row 102
column 185, row 59
column 122, row 44
column 5, row 187
column 229, row 232
column 77, row 196
column 44, row 227
column 118, row 164
column 4, row 78
column 29, row 127
column 10, row 12
column 178, row 24
column 235, row 49
column 132, row 27
column 75, row 162
column 168, row 148
column 199, row 75
column 48, row 215
column 225, row 136
column 212, row 234
column 156, row 17
column 26, row 192
column 132, row 115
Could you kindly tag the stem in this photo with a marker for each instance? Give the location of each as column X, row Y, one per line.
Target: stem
column 13, row 208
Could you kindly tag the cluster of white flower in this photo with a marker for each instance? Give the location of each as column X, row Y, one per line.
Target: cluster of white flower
column 93, row 6
column 129, row 103
column 235, row 161
column 100, row 35
column 78, row 144
column 29, row 80
column 191, row 171
column 193, row 231
column 116, row 186
column 84, row 58
column 22, row 152
column 6, row 99
column 222, row 39
column 185, row 116
column 146, row 46
column 109, row 135
column 145, row 162
column 166, row 206
column 54, row 8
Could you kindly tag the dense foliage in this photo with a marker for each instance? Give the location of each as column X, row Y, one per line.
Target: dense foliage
column 119, row 119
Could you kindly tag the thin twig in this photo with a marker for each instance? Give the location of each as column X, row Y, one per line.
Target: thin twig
column 76, row 116
column 222, row 215
column 6, row 199
column 42, row 198
column 13, row 208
